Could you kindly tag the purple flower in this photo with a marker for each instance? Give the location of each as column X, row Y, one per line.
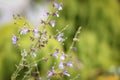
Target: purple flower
column 14, row 39
column 59, row 37
column 61, row 66
column 65, row 72
column 70, row 64
column 58, row 6
column 24, row 30
column 52, row 23
column 62, row 57
column 55, row 54
column 56, row 14
column 51, row 72
column 46, row 13
column 36, row 32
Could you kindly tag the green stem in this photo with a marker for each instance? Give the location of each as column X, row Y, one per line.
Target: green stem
column 19, row 68
column 27, row 74
column 75, row 37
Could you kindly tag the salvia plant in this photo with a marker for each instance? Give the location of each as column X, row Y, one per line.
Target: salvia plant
column 38, row 38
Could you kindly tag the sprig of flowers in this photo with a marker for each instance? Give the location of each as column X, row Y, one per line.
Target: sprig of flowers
column 39, row 38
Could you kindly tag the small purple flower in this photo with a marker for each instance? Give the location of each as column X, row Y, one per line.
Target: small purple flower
column 36, row 32
column 59, row 37
column 55, row 5
column 65, row 72
column 52, row 23
column 61, row 65
column 51, row 72
column 14, row 39
column 62, row 57
column 24, row 30
column 56, row 14
column 70, row 64
column 58, row 6
column 46, row 13
column 55, row 54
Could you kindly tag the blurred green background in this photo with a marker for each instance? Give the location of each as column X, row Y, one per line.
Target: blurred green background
column 98, row 51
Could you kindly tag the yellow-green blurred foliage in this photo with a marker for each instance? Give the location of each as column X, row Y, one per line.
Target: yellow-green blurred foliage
column 99, row 45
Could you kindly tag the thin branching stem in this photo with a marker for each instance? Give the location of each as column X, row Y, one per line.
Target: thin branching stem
column 74, row 39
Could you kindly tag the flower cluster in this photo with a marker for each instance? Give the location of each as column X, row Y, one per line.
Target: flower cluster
column 39, row 38
column 61, row 56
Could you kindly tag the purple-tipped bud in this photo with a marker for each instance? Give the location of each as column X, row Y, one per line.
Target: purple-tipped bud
column 14, row 39
column 52, row 23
